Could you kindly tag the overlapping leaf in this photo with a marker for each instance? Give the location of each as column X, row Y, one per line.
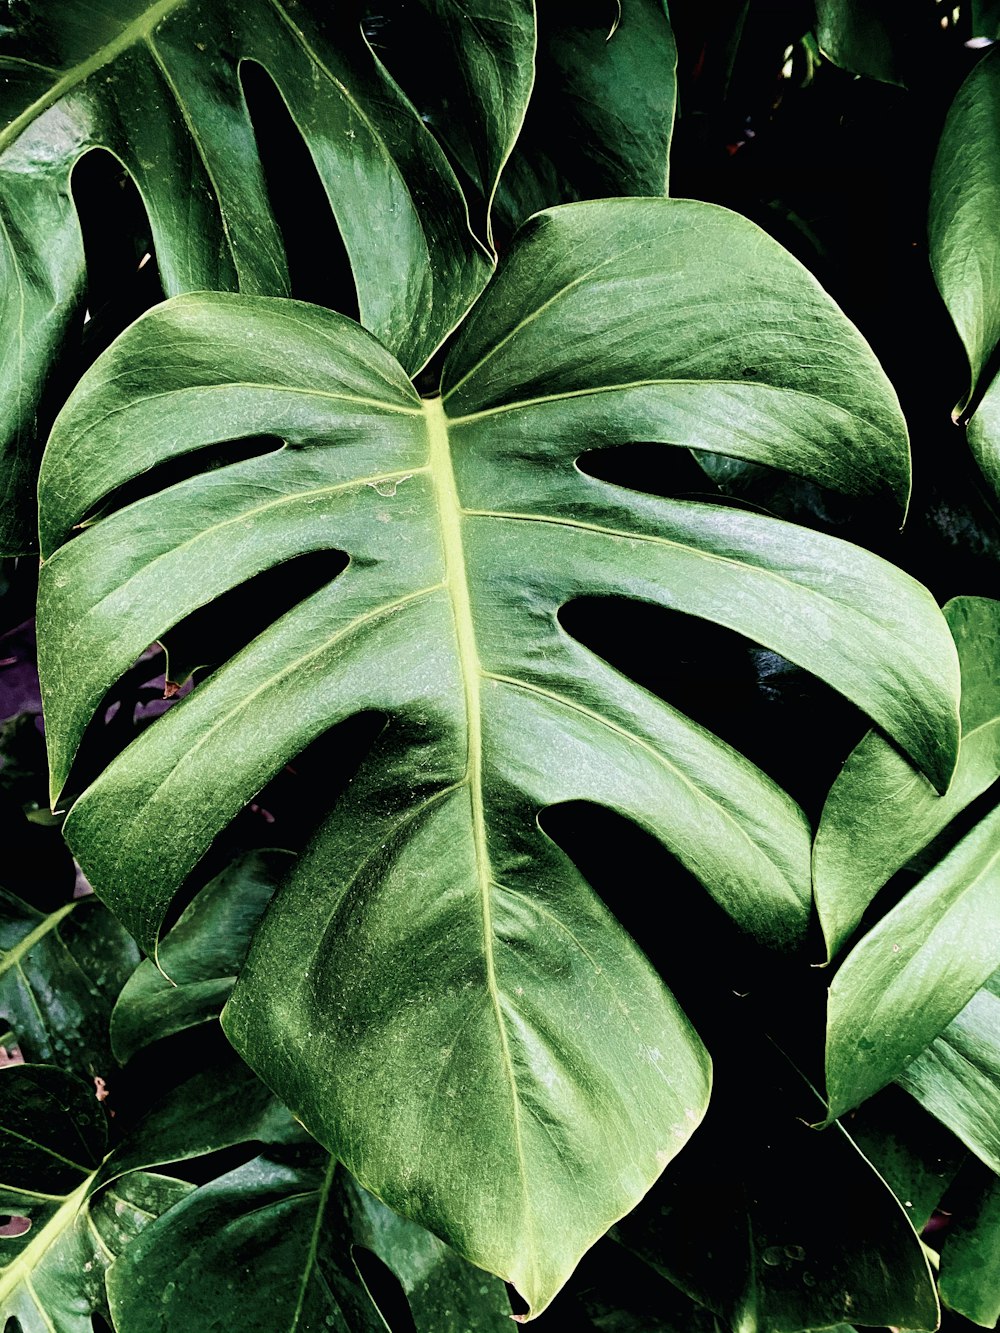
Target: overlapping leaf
column 199, row 958
column 881, row 811
column 957, row 1077
column 525, row 1074
column 910, row 976
column 60, row 973
column 158, row 85
column 52, row 1137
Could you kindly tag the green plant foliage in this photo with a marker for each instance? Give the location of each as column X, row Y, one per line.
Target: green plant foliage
column 905, row 981
column 970, row 1259
column 52, row 1274
column 881, row 811
column 199, row 958
column 158, row 85
column 468, row 527
column 964, row 204
column 957, row 1077
column 60, row 974
column 534, row 611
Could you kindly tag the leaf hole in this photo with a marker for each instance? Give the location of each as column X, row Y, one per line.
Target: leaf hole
column 181, row 468
column 656, row 469
column 289, row 810
column 789, row 723
column 385, row 1289
column 214, row 633
column 118, row 248
column 13, row 1225
column 318, row 263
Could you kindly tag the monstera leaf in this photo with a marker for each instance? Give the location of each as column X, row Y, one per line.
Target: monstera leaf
column 435, row 991
column 158, row 85
column 881, row 811
column 957, row 1077
column 910, row 976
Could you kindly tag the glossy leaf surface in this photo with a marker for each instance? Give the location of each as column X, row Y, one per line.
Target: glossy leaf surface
column 881, row 811
column 957, row 1078
column 432, row 918
column 901, row 986
column 964, row 213
column 158, row 85
column 59, row 975
column 200, row 957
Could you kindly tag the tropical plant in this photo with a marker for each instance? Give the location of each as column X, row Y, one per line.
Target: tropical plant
column 533, row 649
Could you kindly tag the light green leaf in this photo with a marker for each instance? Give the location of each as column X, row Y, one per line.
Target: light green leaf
column 52, row 1137
column 964, row 213
column 59, row 975
column 431, row 917
column 906, row 980
column 157, row 83
column 984, row 435
column 200, row 957
column 957, row 1078
column 970, row 1259
column 881, row 811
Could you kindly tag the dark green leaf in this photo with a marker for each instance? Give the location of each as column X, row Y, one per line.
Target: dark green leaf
column 475, row 92
column 957, row 1078
column 881, row 811
column 158, row 85
column 273, row 1246
column 59, row 976
column 200, row 957
column 52, row 1138
column 432, row 918
column 970, row 1259
column 915, row 1155
column 601, row 114
column 878, row 38
column 964, row 217
column 774, row 1225
column 906, row 980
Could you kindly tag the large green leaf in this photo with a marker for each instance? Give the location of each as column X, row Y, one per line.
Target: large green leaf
column 957, row 1078
column 158, row 85
column 964, row 213
column 883, row 39
column 881, row 811
column 513, row 1040
column 52, row 1137
column 199, row 958
column 901, row 986
column 60, row 973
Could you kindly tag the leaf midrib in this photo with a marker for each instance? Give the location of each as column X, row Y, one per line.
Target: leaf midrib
column 21, row 1268
column 456, row 580
column 13, row 956
column 136, row 31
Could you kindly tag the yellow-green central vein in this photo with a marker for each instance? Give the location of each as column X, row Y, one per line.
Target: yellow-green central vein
column 450, row 511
